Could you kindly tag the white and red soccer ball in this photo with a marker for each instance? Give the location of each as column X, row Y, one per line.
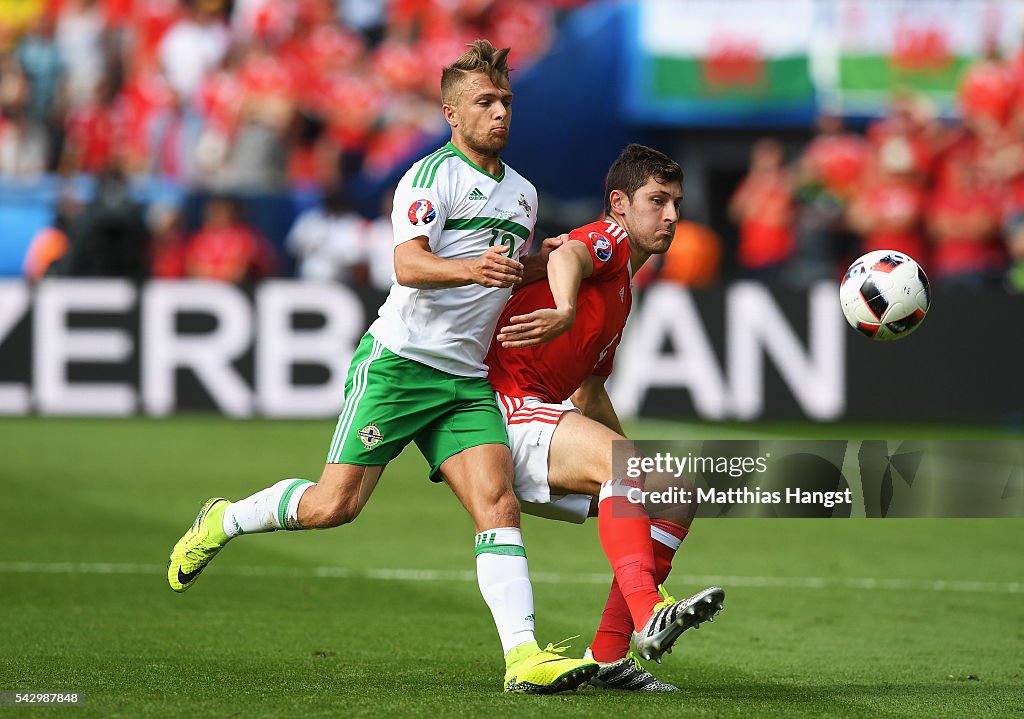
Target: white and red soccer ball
column 885, row 295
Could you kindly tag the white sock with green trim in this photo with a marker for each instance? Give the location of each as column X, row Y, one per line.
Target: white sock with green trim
column 268, row 510
column 504, row 579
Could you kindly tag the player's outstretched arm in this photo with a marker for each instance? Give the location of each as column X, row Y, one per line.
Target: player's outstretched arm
column 593, row 401
column 416, row 266
column 567, row 267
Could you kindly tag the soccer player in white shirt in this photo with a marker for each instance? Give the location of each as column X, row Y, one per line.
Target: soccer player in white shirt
column 462, row 219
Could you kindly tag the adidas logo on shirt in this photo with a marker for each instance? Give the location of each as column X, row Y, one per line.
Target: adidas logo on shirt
column 477, row 195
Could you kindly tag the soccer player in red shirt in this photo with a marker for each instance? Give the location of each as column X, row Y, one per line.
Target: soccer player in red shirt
column 557, row 340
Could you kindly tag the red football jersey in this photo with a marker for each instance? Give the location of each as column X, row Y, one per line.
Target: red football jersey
column 553, row 371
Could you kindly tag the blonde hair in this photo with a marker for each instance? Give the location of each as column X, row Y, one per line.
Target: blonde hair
column 482, row 57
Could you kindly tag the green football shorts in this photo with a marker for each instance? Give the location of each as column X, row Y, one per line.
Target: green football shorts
column 391, row 401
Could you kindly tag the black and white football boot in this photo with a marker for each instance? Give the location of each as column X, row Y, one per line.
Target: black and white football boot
column 628, row 674
column 672, row 618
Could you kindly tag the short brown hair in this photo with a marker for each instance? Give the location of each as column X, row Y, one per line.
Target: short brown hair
column 482, row 57
column 634, row 167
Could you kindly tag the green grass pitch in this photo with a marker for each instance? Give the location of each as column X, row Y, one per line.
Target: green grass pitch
column 383, row 617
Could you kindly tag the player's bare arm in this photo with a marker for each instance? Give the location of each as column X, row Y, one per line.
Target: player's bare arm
column 567, row 267
column 416, row 266
column 593, row 401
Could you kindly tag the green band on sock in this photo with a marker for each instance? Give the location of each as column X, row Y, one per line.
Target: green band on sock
column 282, row 506
column 513, row 550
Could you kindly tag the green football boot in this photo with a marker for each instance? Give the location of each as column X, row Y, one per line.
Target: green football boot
column 198, row 546
column 545, row 672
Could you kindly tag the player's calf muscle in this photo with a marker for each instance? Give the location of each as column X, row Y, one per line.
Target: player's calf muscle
column 318, row 512
column 338, row 497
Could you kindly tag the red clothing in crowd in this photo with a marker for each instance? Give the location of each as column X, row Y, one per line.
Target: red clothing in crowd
column 892, row 210
column 901, row 147
column 219, row 98
column 319, row 51
column 97, row 131
column 264, row 75
column 232, row 253
column 151, row 19
column 525, row 26
column 838, row 160
column 168, row 260
column 964, row 222
column 766, row 235
column 399, row 65
column 987, row 91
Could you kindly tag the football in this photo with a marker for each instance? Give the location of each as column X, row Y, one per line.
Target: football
column 885, row 295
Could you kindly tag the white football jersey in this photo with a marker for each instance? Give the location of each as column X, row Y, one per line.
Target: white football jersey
column 462, row 210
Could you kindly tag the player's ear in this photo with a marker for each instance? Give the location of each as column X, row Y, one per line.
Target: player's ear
column 450, row 116
column 618, row 201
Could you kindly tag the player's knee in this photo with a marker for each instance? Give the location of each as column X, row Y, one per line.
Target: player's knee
column 503, row 511
column 508, row 506
column 598, row 470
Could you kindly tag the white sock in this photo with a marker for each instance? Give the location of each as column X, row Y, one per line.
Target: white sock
column 504, row 579
column 268, row 510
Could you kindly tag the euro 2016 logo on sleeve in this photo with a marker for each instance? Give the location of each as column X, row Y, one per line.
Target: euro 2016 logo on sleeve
column 602, row 246
column 422, row 212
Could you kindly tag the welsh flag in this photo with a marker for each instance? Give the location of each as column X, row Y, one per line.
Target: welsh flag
column 924, row 45
column 715, row 60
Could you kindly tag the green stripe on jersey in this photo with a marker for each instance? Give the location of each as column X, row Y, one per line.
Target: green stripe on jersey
column 423, row 166
column 462, row 156
column 430, row 167
column 483, row 223
column 434, row 167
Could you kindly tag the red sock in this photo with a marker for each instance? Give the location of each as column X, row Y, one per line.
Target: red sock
column 625, row 531
column 611, row 641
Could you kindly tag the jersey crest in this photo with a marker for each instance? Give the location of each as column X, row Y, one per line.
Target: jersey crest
column 370, row 435
column 524, row 204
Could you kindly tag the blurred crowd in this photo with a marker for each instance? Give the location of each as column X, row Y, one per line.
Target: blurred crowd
column 227, row 98
column 239, row 94
column 949, row 195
